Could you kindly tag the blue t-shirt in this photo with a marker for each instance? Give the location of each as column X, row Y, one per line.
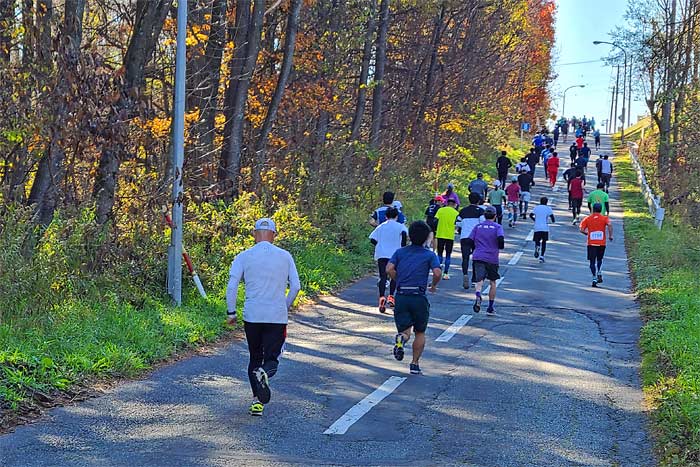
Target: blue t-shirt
column 413, row 264
column 379, row 215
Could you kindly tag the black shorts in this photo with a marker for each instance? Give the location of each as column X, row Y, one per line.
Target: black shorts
column 411, row 310
column 576, row 202
column 596, row 252
column 539, row 236
column 484, row 270
column 432, row 223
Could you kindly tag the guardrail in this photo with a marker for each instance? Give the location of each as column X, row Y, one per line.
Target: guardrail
column 652, row 200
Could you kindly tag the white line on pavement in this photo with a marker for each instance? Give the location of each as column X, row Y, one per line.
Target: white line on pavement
column 340, row 427
column 516, row 257
column 454, row 329
column 530, row 236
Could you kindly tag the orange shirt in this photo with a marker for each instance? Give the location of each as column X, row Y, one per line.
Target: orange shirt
column 597, row 225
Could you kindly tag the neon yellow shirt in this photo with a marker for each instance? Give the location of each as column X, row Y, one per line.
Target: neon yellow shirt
column 446, row 217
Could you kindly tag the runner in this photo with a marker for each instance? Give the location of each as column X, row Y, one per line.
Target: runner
column 523, row 165
column 579, row 142
column 445, row 234
column 599, row 196
column 467, row 219
column 569, row 175
column 553, row 169
column 379, row 214
column 503, row 163
column 409, row 267
column 573, row 152
column 532, row 160
column 555, row 133
column 525, row 181
column 541, row 215
column 546, row 154
column 513, row 194
column 486, row 240
column 598, row 167
column 594, row 227
column 606, row 170
column 576, row 195
column 450, row 194
column 596, row 136
column 479, row 186
column 585, row 152
column 497, row 198
column 266, row 270
column 387, row 237
column 432, row 209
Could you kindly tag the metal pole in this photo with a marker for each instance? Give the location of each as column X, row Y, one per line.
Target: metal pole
column 617, row 94
column 612, row 102
column 629, row 98
column 624, row 94
column 563, row 103
column 178, row 155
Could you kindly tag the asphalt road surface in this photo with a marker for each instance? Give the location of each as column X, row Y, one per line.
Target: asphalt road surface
column 551, row 380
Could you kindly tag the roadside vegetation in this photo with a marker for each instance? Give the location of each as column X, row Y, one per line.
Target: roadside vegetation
column 664, row 266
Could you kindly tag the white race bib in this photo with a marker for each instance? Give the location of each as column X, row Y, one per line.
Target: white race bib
column 597, row 235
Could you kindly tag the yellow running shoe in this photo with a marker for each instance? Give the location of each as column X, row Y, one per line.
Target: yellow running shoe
column 256, row 409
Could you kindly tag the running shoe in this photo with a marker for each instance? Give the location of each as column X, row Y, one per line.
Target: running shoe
column 594, row 282
column 446, row 277
column 537, row 252
column 490, row 311
column 256, row 409
column 262, row 389
column 541, row 259
column 599, row 278
column 466, row 283
column 477, row 304
column 510, row 224
column 390, row 301
column 415, row 369
column 573, row 222
column 382, row 305
column 399, row 341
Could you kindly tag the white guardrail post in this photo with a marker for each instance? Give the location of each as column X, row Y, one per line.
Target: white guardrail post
column 653, row 200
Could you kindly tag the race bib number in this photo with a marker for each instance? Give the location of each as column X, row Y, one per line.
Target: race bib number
column 597, row 235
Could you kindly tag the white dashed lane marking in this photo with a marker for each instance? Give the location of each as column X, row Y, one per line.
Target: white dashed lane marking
column 454, row 328
column 530, row 235
column 340, row 427
column 516, row 257
column 488, row 287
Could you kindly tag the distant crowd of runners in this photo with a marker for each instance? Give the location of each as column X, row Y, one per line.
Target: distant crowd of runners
column 412, row 260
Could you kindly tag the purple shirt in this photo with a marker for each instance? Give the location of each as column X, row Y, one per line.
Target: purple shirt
column 485, row 236
column 451, row 196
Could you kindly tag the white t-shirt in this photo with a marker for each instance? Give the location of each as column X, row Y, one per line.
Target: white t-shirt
column 520, row 166
column 542, row 213
column 605, row 166
column 266, row 269
column 388, row 237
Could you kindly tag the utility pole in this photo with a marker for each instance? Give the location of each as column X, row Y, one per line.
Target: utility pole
column 178, row 155
column 612, row 102
column 617, row 93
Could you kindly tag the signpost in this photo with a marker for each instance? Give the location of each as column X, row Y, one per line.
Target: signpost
column 524, row 127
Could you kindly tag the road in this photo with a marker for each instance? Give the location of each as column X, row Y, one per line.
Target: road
column 551, row 380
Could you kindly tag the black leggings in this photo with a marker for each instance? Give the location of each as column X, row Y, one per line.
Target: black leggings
column 466, row 252
column 503, row 178
column 381, row 267
column 265, row 341
column 445, row 245
column 541, row 238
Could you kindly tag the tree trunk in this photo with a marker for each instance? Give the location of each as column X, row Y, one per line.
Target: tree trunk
column 207, row 91
column 287, row 62
column 364, row 72
column 237, row 92
column 45, row 189
column 150, row 15
column 7, row 20
column 380, row 64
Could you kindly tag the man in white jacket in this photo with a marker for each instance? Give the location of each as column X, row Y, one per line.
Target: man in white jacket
column 266, row 271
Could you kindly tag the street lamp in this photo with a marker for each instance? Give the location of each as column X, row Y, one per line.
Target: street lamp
column 563, row 104
column 625, row 82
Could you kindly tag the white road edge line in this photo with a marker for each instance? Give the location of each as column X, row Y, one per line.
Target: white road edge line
column 516, row 257
column 530, row 236
column 340, row 427
column 454, row 328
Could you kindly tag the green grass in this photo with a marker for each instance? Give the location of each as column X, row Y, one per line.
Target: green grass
column 664, row 265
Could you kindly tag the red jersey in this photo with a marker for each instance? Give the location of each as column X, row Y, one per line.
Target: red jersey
column 597, row 228
column 513, row 192
column 553, row 164
column 579, row 142
column 576, row 188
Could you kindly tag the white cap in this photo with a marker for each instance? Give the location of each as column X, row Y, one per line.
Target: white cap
column 265, row 224
column 397, row 204
column 497, row 183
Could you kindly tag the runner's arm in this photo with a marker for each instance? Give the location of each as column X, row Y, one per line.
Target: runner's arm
column 294, row 283
column 404, row 238
column 551, row 216
column 607, row 207
column 391, row 270
column 610, row 230
column 235, row 276
column 501, row 242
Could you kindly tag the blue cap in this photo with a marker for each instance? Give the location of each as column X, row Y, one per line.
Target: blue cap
column 265, row 224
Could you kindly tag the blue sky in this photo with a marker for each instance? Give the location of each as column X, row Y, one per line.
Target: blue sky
column 578, row 24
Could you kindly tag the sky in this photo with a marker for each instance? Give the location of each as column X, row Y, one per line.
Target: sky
column 578, row 24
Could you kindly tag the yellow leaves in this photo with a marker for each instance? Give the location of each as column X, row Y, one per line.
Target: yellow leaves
column 454, row 126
